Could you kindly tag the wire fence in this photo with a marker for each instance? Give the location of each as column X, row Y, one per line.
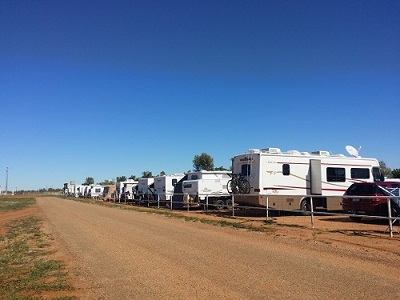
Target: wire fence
column 229, row 204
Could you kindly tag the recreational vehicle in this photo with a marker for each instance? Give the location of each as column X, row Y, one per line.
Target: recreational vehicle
column 95, row 191
column 125, row 190
column 289, row 180
column 109, row 193
column 145, row 188
column 164, row 186
column 211, row 186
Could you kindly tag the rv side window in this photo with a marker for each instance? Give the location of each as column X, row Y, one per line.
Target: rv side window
column 187, row 186
column 194, row 177
column 245, row 171
column 360, row 173
column 336, row 174
column 174, row 181
column 286, row 169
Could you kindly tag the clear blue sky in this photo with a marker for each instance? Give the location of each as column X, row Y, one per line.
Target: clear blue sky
column 112, row 88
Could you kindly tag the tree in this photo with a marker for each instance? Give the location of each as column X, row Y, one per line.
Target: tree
column 387, row 172
column 396, row 173
column 221, row 168
column 121, row 178
column 107, row 182
column 133, row 177
column 162, row 173
column 203, row 162
column 147, row 174
column 88, row 181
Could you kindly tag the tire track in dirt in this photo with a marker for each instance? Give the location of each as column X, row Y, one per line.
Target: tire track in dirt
column 128, row 254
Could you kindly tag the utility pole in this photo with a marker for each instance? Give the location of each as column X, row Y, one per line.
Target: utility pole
column 6, row 180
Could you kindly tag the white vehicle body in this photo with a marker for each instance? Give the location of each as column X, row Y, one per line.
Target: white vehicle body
column 164, row 186
column 207, row 185
column 96, row 191
column 144, row 185
column 288, row 180
column 125, row 190
column 79, row 190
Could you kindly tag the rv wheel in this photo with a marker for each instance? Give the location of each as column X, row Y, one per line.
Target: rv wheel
column 305, row 206
column 229, row 203
column 219, row 204
column 355, row 219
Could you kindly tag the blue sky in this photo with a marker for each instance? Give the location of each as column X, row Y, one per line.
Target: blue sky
column 112, row 88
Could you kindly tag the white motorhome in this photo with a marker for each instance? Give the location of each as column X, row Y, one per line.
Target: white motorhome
column 211, row 186
column 145, row 188
column 288, row 180
column 96, row 191
column 164, row 186
column 125, row 190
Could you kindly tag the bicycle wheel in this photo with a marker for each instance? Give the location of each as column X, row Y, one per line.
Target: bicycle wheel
column 229, row 186
column 244, row 186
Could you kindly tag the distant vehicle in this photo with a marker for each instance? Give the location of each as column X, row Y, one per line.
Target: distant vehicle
column 164, row 186
column 377, row 206
column 125, row 190
column 288, row 180
column 211, row 186
column 109, row 193
column 146, row 188
column 95, row 191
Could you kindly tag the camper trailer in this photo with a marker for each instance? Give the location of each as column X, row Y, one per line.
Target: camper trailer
column 126, row 190
column 164, row 186
column 211, row 186
column 109, row 193
column 95, row 191
column 288, row 180
column 146, row 188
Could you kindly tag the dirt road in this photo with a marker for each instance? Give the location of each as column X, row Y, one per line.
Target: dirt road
column 133, row 255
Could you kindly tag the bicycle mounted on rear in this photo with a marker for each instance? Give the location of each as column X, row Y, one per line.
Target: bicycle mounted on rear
column 238, row 185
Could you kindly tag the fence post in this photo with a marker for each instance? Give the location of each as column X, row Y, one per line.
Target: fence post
column 207, row 202
column 390, row 216
column 233, row 205
column 312, row 211
column 266, row 208
column 171, row 201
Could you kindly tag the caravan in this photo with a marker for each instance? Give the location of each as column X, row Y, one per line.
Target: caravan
column 288, row 180
column 145, row 188
column 208, row 187
column 164, row 186
column 126, row 190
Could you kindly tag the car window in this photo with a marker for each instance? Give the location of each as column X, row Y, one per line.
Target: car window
column 361, row 189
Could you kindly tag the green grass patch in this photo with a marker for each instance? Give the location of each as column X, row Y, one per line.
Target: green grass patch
column 9, row 204
column 25, row 268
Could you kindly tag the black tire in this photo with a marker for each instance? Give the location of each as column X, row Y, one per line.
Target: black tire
column 219, row 204
column 229, row 187
column 229, row 203
column 305, row 207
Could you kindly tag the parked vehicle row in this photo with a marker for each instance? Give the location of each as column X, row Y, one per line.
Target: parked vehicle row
column 260, row 177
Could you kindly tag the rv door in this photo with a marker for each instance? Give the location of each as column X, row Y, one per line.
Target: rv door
column 315, row 177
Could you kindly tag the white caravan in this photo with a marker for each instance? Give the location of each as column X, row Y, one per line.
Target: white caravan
column 164, row 186
column 125, row 190
column 288, row 180
column 145, row 188
column 211, row 186
column 96, row 191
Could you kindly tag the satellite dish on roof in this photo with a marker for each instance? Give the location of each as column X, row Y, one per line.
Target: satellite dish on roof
column 352, row 151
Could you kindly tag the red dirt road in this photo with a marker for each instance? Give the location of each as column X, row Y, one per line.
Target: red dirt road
column 120, row 254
